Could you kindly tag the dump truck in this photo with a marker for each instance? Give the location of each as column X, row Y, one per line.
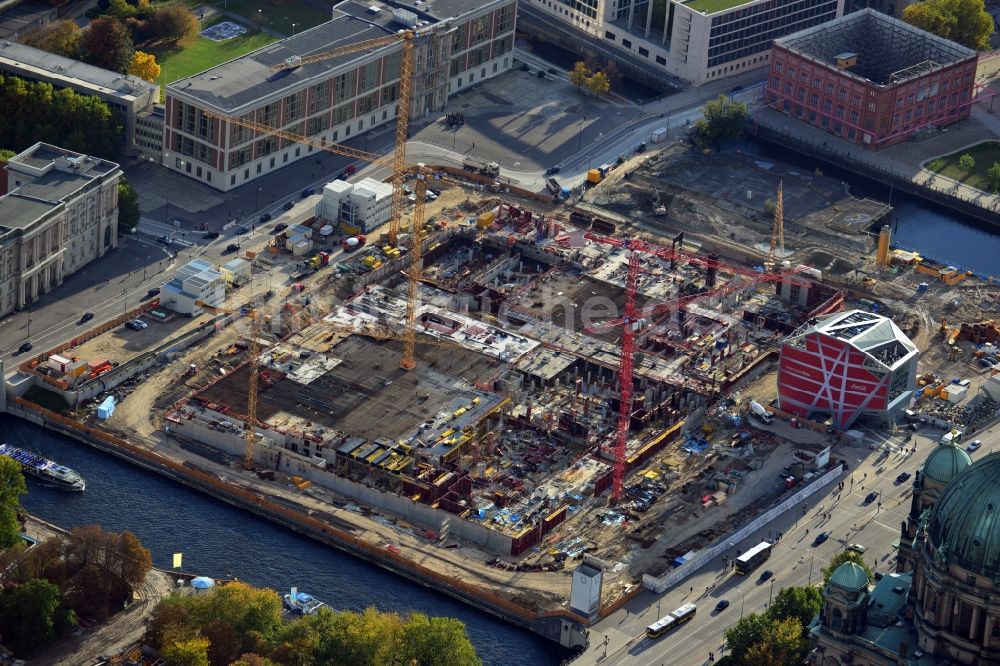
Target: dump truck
column 552, row 185
column 353, row 243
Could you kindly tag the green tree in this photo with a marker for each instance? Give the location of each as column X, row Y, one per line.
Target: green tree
column 106, row 43
column 964, row 21
column 967, row 162
column 128, row 207
column 192, row 651
column 840, row 558
column 746, row 633
column 61, row 38
column 579, row 74
column 435, row 641
column 6, row 154
column 724, row 118
column 599, row 84
column 782, row 644
column 11, row 488
column 172, row 23
column 799, row 603
column 32, row 616
column 993, row 175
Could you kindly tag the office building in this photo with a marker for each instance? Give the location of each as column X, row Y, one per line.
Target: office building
column 871, row 79
column 460, row 43
column 356, row 207
column 60, row 213
column 695, row 40
column 128, row 96
column 195, row 284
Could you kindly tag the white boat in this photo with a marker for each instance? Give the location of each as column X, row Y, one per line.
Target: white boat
column 44, row 469
column 302, row 603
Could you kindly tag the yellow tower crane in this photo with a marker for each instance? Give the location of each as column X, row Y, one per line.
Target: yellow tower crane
column 398, row 161
column 777, row 232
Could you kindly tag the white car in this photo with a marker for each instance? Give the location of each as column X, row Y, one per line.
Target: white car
column 974, row 445
column 857, row 548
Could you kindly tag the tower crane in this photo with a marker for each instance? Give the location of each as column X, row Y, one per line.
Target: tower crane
column 777, row 232
column 631, row 323
column 398, row 161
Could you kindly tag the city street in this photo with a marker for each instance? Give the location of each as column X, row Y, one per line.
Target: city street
column 794, row 561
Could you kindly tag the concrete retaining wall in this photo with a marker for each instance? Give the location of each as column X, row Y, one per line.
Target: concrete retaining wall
column 661, row 584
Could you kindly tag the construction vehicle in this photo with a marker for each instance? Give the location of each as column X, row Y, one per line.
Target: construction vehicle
column 757, row 411
column 491, row 169
column 353, row 243
column 659, row 210
column 553, row 186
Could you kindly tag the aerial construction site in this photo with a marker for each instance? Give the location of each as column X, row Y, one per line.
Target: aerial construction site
column 497, row 384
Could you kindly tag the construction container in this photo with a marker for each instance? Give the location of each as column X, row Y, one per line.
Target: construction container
column 594, row 176
column 485, row 219
column 658, row 135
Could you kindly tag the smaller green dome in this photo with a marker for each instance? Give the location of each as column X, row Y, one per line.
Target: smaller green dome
column 850, row 576
column 945, row 462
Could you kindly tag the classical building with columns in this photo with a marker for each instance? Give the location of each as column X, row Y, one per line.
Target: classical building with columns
column 696, row 40
column 941, row 606
column 60, row 212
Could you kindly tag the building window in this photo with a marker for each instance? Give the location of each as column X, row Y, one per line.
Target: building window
column 627, row 44
column 660, row 60
column 232, row 179
column 246, row 174
column 643, row 52
column 258, row 167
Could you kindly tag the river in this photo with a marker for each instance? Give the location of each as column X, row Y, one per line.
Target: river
column 928, row 228
column 221, row 541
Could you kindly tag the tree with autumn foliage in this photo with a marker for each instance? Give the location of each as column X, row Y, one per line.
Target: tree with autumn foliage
column 107, row 43
column 144, row 66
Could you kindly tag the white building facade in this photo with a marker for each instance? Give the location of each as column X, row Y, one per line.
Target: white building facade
column 60, row 213
column 695, row 40
column 198, row 282
column 357, row 207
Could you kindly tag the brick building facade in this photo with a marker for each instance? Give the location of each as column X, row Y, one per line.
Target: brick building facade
column 871, row 79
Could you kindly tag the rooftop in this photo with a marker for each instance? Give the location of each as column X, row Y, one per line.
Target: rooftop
column 714, row 6
column 50, row 176
column 51, row 66
column 888, row 50
column 242, row 82
column 871, row 333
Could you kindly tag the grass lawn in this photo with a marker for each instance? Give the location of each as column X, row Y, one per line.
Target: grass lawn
column 712, row 6
column 985, row 154
column 198, row 54
column 277, row 15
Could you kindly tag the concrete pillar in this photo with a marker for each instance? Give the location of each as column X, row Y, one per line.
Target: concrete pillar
column 649, row 17
column 631, row 12
column 974, row 623
column 987, row 628
column 666, row 21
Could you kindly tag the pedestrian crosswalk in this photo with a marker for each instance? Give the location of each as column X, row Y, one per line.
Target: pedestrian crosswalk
column 152, row 232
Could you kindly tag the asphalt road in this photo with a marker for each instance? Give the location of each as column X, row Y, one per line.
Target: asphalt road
column 119, row 281
column 794, row 561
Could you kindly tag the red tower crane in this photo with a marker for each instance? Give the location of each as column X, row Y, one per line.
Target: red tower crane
column 631, row 323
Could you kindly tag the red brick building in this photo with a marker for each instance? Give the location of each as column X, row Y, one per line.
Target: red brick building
column 871, row 79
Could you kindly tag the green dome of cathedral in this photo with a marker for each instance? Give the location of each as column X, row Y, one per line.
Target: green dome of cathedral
column 965, row 521
column 850, row 576
column 945, row 462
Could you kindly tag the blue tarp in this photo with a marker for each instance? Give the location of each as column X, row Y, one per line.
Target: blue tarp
column 106, row 408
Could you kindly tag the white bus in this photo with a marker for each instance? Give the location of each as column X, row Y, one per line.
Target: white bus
column 753, row 558
column 670, row 622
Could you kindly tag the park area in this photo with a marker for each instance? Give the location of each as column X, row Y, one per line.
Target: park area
column 285, row 17
column 196, row 54
column 984, row 156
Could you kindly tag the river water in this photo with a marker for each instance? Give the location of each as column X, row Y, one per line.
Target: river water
column 218, row 540
column 932, row 230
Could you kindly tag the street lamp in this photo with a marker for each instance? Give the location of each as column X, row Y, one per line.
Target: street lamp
column 771, row 593
column 743, row 599
column 293, row 29
column 260, row 19
column 579, row 134
column 256, row 199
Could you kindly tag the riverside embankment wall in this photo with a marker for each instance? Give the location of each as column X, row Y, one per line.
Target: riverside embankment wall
column 564, row 627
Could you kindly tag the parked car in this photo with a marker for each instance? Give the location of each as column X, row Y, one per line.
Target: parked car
column 857, row 548
column 210, row 235
column 903, row 476
column 974, row 445
column 243, row 229
column 279, row 227
column 820, row 538
column 871, row 497
column 87, row 316
column 289, row 205
column 25, row 348
column 155, row 291
column 266, row 217
column 165, row 239
column 308, row 191
column 551, row 171
column 765, row 576
column 722, row 605
column 232, row 247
